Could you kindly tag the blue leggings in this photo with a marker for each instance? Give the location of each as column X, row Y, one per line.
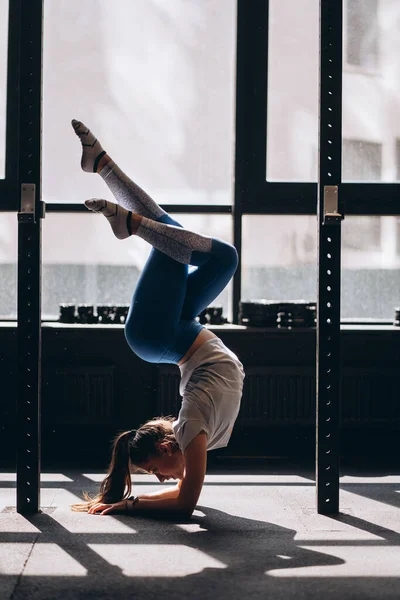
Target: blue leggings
column 161, row 324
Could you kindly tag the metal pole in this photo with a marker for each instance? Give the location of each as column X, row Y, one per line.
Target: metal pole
column 330, row 215
column 31, row 211
column 251, row 118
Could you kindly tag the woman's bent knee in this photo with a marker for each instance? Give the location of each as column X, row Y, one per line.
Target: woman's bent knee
column 226, row 252
column 147, row 345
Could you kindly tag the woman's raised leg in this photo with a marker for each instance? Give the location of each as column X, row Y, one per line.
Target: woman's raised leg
column 167, row 298
column 127, row 193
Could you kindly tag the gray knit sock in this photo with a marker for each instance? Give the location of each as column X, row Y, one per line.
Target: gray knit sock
column 115, row 215
column 176, row 242
column 92, row 150
column 128, row 194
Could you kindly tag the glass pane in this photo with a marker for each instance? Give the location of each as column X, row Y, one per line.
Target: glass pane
column 370, row 90
column 8, row 265
column 155, row 82
column 279, row 258
column 362, row 33
column 371, row 65
column 370, row 267
column 3, row 82
column 293, row 88
column 362, row 161
column 94, row 267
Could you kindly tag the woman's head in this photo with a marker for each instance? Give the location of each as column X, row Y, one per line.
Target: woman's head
column 152, row 449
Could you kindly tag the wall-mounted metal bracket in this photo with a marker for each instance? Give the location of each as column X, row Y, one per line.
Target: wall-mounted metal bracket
column 27, row 213
column 27, row 207
column 331, row 216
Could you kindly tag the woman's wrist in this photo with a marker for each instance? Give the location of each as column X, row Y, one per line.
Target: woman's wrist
column 130, row 502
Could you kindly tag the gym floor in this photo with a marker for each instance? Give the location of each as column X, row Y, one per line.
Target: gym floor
column 255, row 533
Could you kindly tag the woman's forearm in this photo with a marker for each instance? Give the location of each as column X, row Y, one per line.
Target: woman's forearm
column 171, row 492
column 157, row 507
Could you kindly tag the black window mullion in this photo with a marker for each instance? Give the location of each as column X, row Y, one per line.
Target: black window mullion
column 9, row 185
column 170, row 208
column 281, row 198
column 371, row 198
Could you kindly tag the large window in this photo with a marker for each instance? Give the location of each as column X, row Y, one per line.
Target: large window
column 88, row 265
column 3, row 82
column 371, row 87
column 279, row 258
column 280, row 255
column 370, row 267
column 8, row 266
column 293, row 67
column 155, row 82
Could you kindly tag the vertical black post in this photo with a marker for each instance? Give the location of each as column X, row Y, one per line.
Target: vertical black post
column 251, row 117
column 242, row 33
column 29, row 257
column 9, row 201
column 330, row 214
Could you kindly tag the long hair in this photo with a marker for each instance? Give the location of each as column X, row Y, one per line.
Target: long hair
column 129, row 449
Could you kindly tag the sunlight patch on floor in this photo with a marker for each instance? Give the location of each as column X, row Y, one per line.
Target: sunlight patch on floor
column 156, row 560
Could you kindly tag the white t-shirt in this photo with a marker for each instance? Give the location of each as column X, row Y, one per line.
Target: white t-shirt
column 211, row 386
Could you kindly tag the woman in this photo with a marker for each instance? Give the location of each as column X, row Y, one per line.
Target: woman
column 161, row 327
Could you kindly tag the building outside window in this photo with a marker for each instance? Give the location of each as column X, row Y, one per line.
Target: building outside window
column 362, row 33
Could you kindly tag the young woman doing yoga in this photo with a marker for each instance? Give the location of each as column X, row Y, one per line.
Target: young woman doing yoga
column 162, row 328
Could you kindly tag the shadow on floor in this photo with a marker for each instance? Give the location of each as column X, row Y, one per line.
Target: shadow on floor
column 248, row 551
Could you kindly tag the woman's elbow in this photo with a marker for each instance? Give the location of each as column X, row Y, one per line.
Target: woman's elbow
column 185, row 510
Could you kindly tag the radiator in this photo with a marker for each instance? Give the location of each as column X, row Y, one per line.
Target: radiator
column 371, row 395
column 78, row 395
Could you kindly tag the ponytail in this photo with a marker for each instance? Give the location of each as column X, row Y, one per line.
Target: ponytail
column 130, row 448
column 117, row 485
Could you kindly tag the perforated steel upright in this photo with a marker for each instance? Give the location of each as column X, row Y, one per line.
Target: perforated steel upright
column 330, row 214
column 29, row 256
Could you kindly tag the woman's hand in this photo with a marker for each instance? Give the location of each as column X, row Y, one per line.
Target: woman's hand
column 105, row 509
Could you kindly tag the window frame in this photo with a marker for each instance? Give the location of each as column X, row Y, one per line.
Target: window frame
column 260, row 196
column 252, row 193
column 9, row 199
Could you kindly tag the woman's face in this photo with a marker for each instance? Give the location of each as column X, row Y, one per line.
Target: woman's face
column 167, row 464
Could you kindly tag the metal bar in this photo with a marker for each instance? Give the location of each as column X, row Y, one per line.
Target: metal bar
column 282, row 198
column 371, row 198
column 258, row 59
column 12, row 98
column 242, row 141
column 170, row 208
column 29, row 258
column 9, row 185
column 330, row 213
column 237, row 278
column 251, row 85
